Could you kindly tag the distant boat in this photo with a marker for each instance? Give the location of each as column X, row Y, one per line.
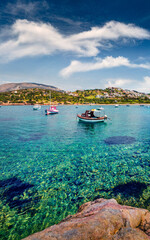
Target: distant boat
column 52, row 109
column 128, row 105
column 36, row 107
column 100, row 108
column 116, row 106
column 92, row 116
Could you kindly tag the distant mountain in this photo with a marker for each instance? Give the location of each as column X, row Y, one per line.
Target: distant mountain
column 26, row 85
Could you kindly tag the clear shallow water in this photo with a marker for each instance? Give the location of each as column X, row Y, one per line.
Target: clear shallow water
column 52, row 164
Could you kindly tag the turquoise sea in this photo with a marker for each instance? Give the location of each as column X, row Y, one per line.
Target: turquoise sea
column 50, row 165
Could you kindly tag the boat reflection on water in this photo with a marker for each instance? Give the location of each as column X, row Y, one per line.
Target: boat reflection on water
column 91, row 129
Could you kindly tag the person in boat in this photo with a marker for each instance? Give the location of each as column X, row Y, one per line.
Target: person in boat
column 88, row 114
column 92, row 114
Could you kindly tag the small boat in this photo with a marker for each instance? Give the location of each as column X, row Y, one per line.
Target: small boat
column 52, row 109
column 92, row 116
column 127, row 105
column 116, row 106
column 100, row 108
column 36, row 107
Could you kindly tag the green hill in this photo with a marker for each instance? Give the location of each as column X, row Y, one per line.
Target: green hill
column 91, row 96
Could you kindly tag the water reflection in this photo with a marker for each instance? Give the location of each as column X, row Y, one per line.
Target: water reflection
column 91, row 128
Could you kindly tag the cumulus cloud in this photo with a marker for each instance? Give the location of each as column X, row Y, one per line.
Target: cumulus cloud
column 142, row 86
column 119, row 82
column 108, row 62
column 145, row 85
column 28, row 38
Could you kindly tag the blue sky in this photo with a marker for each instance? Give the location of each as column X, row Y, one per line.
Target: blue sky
column 73, row 45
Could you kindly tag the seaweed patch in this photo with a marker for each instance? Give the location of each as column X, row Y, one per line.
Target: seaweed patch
column 11, row 190
column 32, row 137
column 120, row 140
column 7, row 119
column 134, row 189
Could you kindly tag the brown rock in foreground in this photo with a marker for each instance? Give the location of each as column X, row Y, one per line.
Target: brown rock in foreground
column 100, row 220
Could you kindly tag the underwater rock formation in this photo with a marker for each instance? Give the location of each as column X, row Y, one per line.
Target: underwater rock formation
column 100, row 220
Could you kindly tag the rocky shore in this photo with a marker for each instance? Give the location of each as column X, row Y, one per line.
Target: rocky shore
column 100, row 220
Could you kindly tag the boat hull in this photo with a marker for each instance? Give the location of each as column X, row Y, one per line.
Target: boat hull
column 91, row 120
column 47, row 112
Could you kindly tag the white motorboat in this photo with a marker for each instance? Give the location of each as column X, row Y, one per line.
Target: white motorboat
column 36, row 107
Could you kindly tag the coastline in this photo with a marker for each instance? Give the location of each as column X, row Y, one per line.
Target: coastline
column 61, row 104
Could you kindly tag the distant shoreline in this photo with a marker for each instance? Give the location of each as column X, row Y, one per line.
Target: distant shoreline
column 60, row 104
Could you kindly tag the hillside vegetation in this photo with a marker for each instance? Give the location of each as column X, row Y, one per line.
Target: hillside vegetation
column 96, row 96
column 32, row 96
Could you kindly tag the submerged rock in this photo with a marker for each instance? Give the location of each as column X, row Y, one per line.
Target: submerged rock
column 100, row 220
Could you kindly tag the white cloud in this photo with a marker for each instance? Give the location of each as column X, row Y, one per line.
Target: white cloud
column 4, row 82
column 26, row 38
column 68, row 21
column 142, row 86
column 119, row 82
column 145, row 85
column 20, row 7
column 112, row 31
column 108, row 62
